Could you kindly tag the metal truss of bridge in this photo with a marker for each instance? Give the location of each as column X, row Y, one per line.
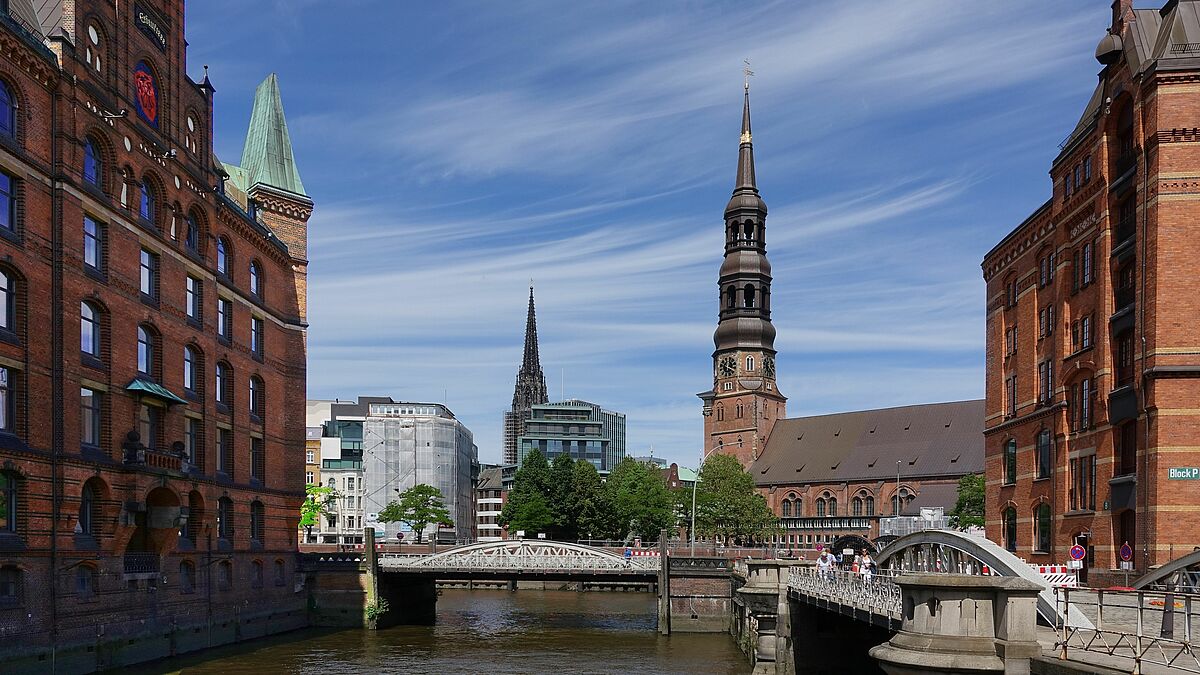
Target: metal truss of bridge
column 524, row 558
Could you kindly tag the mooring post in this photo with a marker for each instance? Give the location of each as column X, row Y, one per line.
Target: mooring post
column 664, row 585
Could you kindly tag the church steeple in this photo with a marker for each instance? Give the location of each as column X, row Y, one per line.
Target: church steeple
column 530, row 388
column 744, row 403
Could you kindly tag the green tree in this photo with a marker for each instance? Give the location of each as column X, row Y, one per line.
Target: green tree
column 562, row 499
column 417, row 507
column 528, row 505
column 317, row 502
column 727, row 504
column 589, row 504
column 638, row 500
column 968, row 510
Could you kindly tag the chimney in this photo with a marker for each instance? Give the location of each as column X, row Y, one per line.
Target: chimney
column 1122, row 13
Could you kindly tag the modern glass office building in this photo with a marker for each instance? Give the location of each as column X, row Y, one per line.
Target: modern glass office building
column 581, row 429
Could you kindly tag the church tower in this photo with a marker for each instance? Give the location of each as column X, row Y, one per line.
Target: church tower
column 530, row 389
column 744, row 403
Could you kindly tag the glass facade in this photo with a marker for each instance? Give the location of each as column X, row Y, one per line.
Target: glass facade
column 578, row 428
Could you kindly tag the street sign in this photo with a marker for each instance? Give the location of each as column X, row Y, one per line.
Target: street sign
column 1183, row 473
column 1078, row 552
column 1126, row 552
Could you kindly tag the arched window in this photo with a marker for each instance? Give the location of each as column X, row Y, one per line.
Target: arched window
column 856, row 507
column 85, row 581
column 8, row 497
column 748, row 295
column 87, row 509
column 222, row 256
column 258, row 527
column 740, row 410
column 93, row 164
column 256, row 396
column 223, row 382
column 225, row 575
column 280, row 573
column 146, row 203
column 1043, row 523
column 192, row 236
column 786, row 508
column 900, row 499
column 870, row 506
column 1010, row 461
column 8, row 111
column 749, row 363
column 821, row 507
column 256, row 574
column 1010, row 529
column 730, row 297
column 748, row 229
column 191, row 369
column 833, row 506
column 255, row 278
column 94, row 49
column 187, row 576
column 89, row 329
column 145, row 355
column 8, row 302
column 225, row 518
column 720, row 413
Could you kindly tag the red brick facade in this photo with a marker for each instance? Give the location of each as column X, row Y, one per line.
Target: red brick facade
column 104, row 527
column 1092, row 373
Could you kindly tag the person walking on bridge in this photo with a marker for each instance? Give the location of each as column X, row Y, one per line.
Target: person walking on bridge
column 865, row 566
column 825, row 565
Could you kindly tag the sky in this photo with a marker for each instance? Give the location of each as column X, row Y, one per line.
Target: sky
column 456, row 151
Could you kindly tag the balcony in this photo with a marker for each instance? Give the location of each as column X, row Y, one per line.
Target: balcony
column 1123, row 297
column 1122, row 405
column 141, row 563
column 1126, row 162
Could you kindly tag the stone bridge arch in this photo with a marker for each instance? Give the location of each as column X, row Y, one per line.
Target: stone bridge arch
column 956, row 552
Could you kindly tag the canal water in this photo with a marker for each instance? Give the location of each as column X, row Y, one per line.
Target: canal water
column 488, row 631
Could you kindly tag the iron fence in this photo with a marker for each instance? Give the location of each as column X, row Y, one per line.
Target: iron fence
column 1147, row 627
column 877, row 593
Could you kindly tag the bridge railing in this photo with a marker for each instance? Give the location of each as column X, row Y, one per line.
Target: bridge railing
column 533, row 562
column 1147, row 627
column 878, row 593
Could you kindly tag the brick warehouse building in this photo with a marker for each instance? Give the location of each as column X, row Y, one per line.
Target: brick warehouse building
column 147, row 504
column 1092, row 373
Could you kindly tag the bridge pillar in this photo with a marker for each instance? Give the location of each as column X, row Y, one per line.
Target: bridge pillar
column 763, row 617
column 954, row 623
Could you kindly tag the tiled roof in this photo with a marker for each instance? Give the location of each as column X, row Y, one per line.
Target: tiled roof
column 938, row 439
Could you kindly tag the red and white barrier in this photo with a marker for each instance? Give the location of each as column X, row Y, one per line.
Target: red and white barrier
column 1057, row 575
column 645, row 552
column 359, row 547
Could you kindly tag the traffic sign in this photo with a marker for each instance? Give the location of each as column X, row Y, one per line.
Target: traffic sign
column 1078, row 552
column 1126, row 552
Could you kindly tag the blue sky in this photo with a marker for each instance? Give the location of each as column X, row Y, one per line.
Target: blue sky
column 457, row 150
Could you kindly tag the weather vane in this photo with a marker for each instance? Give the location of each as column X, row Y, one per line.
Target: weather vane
column 747, row 72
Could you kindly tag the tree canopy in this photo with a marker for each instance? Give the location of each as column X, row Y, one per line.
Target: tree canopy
column 417, row 507
column 728, row 506
column 968, row 510
column 638, row 500
column 317, row 501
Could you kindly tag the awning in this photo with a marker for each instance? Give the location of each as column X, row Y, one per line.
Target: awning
column 147, row 388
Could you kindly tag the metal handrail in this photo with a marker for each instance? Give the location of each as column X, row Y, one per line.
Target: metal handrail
column 878, row 593
column 1124, row 626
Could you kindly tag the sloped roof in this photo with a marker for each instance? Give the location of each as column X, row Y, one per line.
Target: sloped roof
column 937, row 439
column 932, row 495
column 267, row 156
column 1178, row 43
column 491, row 479
column 50, row 15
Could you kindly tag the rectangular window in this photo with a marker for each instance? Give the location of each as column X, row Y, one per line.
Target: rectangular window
column 1083, row 483
column 256, row 337
column 149, row 277
column 258, row 460
column 149, row 425
column 1087, row 168
column 1086, row 263
column 309, row 477
column 225, row 319
column 1074, row 271
column 310, row 456
column 93, row 248
column 1085, row 332
column 192, row 438
column 225, row 451
column 195, row 295
column 8, row 202
column 1045, row 459
column 89, row 432
column 6, row 401
column 1010, row 388
column 1125, row 359
column 1085, row 403
column 1078, row 176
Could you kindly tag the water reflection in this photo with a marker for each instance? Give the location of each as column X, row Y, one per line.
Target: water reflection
column 490, row 632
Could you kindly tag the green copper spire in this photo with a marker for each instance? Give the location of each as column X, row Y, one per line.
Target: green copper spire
column 267, row 157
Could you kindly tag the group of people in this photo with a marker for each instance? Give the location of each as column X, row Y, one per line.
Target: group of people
column 862, row 564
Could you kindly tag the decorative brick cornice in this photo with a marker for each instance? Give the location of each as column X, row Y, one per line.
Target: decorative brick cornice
column 285, row 207
column 1183, row 185
column 20, row 54
column 1178, row 135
